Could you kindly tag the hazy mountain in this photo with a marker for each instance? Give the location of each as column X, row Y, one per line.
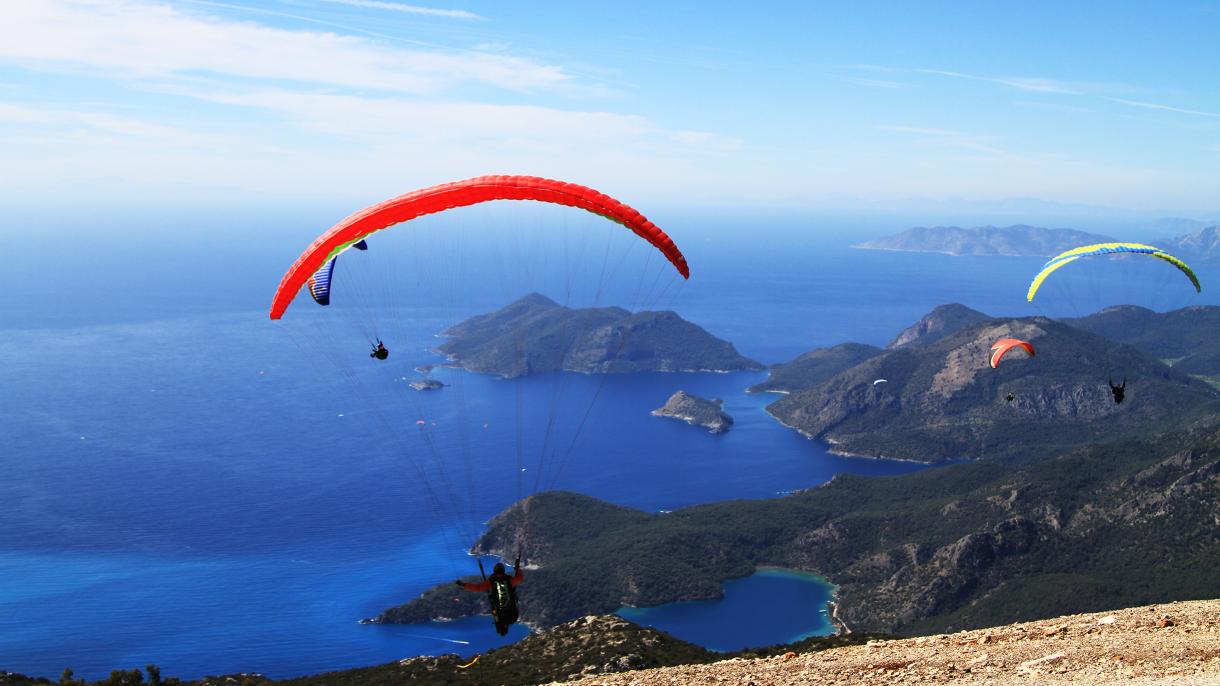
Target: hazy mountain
column 1019, row 239
column 1176, row 226
column 1195, row 248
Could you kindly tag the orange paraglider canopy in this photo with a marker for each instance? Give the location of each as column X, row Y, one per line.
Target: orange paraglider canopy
column 1002, row 346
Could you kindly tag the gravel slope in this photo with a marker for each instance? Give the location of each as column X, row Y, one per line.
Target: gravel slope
column 1174, row 643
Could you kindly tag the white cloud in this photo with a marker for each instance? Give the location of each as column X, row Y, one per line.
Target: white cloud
column 1038, row 85
column 1058, row 107
column 872, row 83
column 127, row 38
column 1164, row 108
column 945, row 138
column 918, row 130
column 407, row 9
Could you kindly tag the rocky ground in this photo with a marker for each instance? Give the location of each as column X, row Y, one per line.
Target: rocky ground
column 1175, row 643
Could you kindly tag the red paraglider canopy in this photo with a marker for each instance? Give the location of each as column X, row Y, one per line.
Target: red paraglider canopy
column 1002, row 346
column 460, row 194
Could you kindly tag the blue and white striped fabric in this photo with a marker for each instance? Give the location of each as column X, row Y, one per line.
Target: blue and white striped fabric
column 319, row 283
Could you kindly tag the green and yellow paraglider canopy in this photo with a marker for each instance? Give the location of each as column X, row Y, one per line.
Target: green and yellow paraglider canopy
column 1107, row 249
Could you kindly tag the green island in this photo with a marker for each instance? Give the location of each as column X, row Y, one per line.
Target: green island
column 535, row 334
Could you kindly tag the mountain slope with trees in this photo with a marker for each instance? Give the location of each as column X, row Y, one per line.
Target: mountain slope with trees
column 943, row 400
column 961, row 546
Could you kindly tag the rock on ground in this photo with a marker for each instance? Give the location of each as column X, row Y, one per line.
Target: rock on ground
column 1174, row 643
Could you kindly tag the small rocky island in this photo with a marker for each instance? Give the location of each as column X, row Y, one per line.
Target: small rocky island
column 695, row 410
column 426, row 385
column 537, row 335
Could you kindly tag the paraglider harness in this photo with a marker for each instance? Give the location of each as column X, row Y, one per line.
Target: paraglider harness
column 380, row 351
column 1118, row 391
column 502, row 597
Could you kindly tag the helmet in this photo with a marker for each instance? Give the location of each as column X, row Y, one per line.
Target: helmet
column 498, row 569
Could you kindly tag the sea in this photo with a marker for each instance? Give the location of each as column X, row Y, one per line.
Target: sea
column 184, row 483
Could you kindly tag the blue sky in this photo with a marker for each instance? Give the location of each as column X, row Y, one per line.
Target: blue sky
column 796, row 105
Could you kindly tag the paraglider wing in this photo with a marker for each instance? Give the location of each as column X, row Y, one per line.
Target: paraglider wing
column 1002, row 346
column 1107, row 249
column 880, row 381
column 319, row 283
column 356, row 227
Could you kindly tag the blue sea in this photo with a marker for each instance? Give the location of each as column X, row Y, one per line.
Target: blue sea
column 188, row 484
column 769, row 607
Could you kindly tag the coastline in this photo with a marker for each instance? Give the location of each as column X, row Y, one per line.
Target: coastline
column 453, row 362
column 843, row 453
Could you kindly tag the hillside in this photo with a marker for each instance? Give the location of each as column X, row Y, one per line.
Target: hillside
column 535, row 334
column 1175, row 643
column 944, row 401
column 1014, row 240
column 1185, row 338
column 814, row 367
column 942, row 321
column 962, row 546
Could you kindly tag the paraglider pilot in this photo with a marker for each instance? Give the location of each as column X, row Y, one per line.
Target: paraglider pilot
column 380, row 351
column 501, row 590
column 1118, row 391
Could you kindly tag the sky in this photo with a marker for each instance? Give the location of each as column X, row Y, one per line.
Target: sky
column 127, row 104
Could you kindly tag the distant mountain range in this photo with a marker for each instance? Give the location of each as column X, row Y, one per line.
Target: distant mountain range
column 535, row 334
column 1022, row 240
column 1014, row 240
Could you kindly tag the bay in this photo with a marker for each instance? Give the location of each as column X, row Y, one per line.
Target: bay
column 770, row 607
